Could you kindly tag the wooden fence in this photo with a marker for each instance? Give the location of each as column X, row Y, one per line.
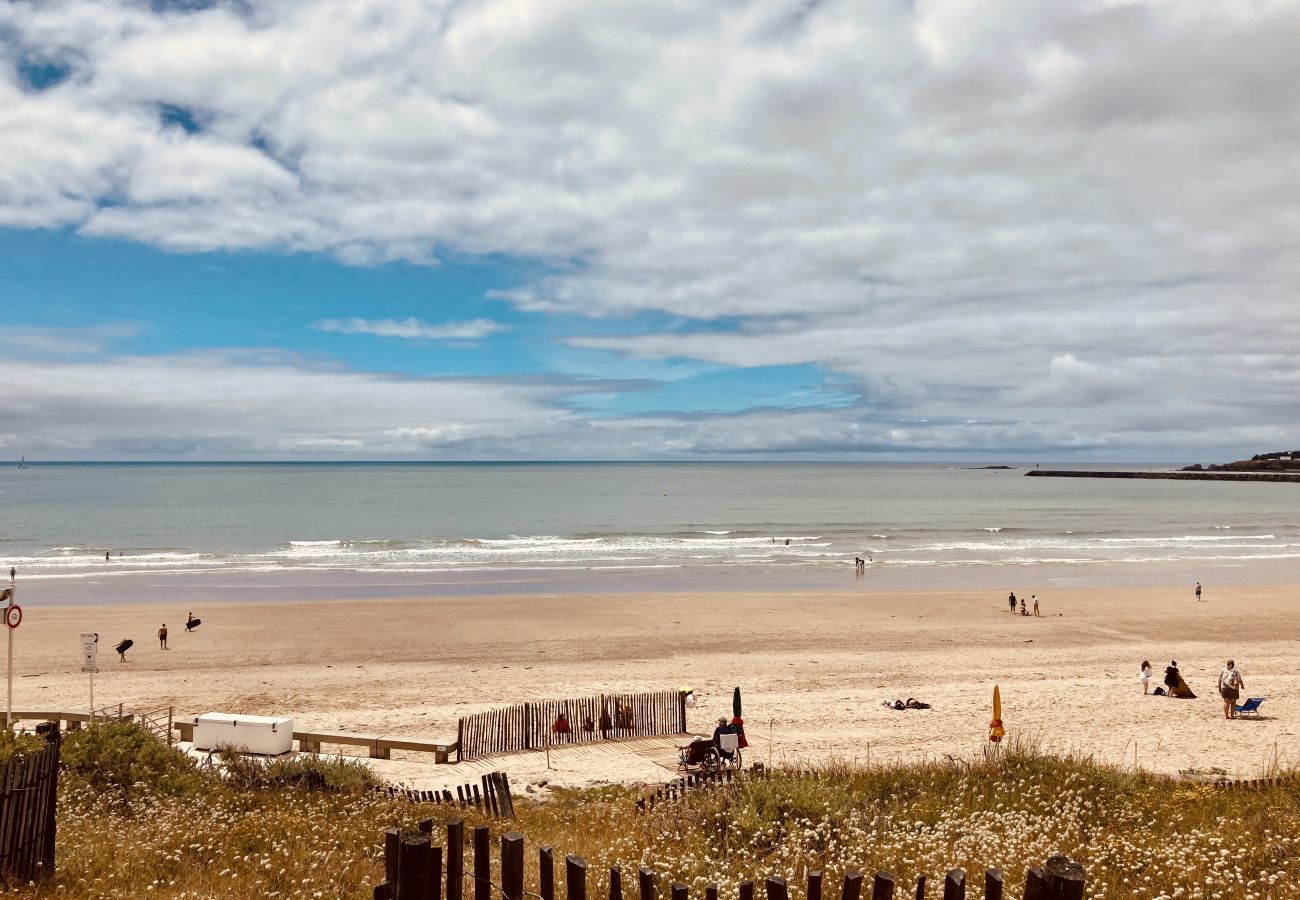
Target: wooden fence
column 676, row 789
column 531, row 726
column 414, row 870
column 28, row 796
column 495, row 798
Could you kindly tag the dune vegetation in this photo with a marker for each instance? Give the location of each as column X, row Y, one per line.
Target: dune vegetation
column 137, row 819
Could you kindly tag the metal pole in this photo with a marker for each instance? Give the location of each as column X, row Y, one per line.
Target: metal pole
column 9, row 675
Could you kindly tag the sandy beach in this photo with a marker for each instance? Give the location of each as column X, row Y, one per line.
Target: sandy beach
column 814, row 667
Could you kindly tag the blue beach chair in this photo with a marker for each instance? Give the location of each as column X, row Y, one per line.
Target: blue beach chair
column 1250, row 707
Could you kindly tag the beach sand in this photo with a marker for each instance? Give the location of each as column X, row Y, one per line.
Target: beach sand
column 814, row 668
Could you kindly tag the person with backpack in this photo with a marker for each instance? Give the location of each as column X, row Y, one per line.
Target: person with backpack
column 1230, row 685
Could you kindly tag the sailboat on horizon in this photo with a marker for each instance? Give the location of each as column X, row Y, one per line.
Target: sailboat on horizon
column 22, row 463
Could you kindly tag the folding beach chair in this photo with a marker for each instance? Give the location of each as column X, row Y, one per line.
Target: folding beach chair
column 1250, row 707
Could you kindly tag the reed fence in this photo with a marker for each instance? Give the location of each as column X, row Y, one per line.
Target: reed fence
column 417, row 869
column 28, row 797
column 532, row 726
column 495, row 797
column 676, row 789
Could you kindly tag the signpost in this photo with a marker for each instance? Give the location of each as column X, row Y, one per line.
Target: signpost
column 89, row 657
column 13, row 618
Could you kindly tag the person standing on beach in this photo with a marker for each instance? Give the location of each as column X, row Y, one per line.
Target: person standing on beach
column 1145, row 676
column 106, row 553
column 1011, row 601
column 162, row 636
column 1198, row 590
column 1230, row 685
column 1035, row 604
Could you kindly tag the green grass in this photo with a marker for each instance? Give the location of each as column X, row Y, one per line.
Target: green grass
column 311, row 830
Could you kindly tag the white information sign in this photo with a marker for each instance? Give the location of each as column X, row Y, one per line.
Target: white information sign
column 89, row 651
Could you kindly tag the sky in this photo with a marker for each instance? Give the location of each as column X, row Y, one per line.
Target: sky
column 612, row 229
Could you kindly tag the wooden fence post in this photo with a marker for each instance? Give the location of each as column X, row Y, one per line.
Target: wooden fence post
column 920, row 888
column 815, row 884
column 482, row 864
column 954, row 885
column 646, row 884
column 546, row 872
column 1062, row 878
column 882, row 886
column 777, row 889
column 852, row 886
column 512, row 865
column 679, row 891
column 392, row 846
column 455, row 859
column 1033, row 883
column 711, row 892
column 414, row 867
column 993, row 884
column 615, row 883
column 575, row 877
column 435, row 872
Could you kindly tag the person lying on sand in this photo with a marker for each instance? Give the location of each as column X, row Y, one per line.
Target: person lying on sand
column 910, row 703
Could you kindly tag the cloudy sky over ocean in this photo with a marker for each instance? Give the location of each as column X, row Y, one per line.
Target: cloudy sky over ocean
column 498, row 229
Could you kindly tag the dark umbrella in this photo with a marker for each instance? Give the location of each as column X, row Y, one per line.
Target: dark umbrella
column 735, row 703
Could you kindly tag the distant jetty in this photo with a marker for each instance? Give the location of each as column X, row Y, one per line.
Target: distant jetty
column 1193, row 475
column 1283, row 465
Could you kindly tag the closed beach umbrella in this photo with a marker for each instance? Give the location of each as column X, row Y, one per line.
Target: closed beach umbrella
column 735, row 703
column 996, row 731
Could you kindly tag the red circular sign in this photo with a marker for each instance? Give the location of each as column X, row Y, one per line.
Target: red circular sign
column 14, row 616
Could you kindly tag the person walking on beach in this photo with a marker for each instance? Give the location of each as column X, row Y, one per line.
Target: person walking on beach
column 1011, row 601
column 1230, row 685
column 1145, row 676
column 106, row 553
column 1035, row 604
column 1198, row 590
column 162, row 636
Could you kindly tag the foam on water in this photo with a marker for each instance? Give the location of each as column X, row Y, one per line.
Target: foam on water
column 446, row 519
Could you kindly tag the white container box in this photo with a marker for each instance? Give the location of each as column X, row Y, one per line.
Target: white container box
column 266, row 735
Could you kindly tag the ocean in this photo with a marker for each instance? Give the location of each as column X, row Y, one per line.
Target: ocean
column 485, row 524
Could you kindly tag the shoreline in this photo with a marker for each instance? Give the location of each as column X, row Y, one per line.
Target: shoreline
column 814, row 668
column 880, row 577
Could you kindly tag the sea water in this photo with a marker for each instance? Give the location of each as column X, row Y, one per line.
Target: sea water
column 486, row 522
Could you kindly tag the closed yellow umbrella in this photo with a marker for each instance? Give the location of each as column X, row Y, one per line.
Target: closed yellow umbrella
column 996, row 731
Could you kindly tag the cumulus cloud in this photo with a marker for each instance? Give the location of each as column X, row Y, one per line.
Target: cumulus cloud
column 1053, row 215
column 471, row 330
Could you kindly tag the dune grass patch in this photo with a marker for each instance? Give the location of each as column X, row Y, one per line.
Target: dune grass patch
column 311, row 829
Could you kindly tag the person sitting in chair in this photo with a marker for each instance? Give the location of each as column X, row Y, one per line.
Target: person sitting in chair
column 723, row 728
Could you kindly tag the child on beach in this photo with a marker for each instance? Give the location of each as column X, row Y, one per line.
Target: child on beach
column 1145, row 676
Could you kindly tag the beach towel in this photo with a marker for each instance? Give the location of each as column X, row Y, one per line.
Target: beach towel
column 1182, row 691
